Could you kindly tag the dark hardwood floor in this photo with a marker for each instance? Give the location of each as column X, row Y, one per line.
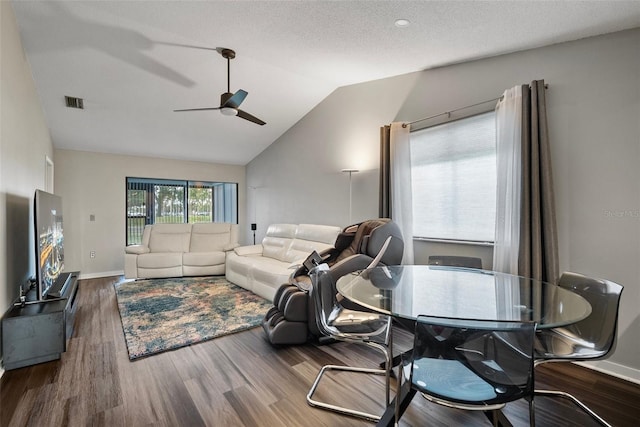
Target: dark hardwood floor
column 241, row 380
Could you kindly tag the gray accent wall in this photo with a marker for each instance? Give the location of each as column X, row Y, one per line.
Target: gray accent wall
column 594, row 118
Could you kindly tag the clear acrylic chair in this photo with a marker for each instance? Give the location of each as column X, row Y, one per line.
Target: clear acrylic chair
column 593, row 338
column 471, row 364
column 335, row 321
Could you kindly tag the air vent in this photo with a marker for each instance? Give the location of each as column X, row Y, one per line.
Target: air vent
column 73, row 102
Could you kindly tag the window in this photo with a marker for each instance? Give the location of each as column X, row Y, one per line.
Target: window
column 453, row 168
column 151, row 201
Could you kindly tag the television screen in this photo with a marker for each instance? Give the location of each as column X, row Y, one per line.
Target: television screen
column 49, row 241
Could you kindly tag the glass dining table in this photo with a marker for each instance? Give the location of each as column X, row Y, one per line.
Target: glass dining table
column 405, row 292
column 410, row 290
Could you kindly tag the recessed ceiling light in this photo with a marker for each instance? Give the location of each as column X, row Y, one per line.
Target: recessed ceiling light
column 402, row 23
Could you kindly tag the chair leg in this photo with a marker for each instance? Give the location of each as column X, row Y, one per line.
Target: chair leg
column 340, row 409
column 556, row 393
column 347, row 411
column 532, row 413
column 388, row 356
column 396, row 409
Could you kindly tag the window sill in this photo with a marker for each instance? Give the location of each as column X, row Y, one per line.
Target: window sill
column 452, row 241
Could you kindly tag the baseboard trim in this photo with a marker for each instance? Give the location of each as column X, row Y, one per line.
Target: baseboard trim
column 101, row 274
column 613, row 369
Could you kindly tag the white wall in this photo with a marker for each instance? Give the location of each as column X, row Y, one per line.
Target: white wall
column 298, row 179
column 24, row 144
column 94, row 184
column 594, row 114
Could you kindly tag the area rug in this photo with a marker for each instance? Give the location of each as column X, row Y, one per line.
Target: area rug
column 165, row 314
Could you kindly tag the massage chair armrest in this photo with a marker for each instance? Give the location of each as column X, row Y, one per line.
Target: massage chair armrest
column 327, row 256
column 136, row 249
column 349, row 265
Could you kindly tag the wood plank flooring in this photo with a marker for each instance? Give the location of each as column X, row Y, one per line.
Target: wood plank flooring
column 241, row 380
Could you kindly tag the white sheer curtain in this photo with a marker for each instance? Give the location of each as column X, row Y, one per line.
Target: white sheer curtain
column 401, row 203
column 509, row 186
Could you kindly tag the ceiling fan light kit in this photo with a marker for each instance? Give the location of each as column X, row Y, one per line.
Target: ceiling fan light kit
column 229, row 111
column 229, row 102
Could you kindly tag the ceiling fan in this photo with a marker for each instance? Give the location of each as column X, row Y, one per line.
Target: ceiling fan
column 229, row 102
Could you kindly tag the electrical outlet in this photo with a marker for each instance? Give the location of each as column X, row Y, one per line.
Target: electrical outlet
column 92, row 254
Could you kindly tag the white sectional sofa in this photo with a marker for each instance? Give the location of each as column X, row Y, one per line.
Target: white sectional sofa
column 175, row 250
column 264, row 267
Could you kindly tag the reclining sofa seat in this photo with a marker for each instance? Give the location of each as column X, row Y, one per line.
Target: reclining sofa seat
column 262, row 268
column 292, row 319
column 176, row 250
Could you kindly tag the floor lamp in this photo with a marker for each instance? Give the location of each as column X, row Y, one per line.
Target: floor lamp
column 350, row 172
column 254, row 224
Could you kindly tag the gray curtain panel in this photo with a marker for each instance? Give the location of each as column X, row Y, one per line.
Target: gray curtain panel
column 384, row 210
column 538, row 256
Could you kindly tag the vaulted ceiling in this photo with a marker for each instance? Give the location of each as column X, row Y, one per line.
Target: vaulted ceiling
column 134, row 62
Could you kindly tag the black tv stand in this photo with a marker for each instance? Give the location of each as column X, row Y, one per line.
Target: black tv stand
column 37, row 330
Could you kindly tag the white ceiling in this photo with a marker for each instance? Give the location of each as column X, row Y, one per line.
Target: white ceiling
column 132, row 64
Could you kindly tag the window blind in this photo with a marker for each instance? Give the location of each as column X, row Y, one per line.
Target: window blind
column 453, row 168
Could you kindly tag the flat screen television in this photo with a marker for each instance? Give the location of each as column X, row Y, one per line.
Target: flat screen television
column 49, row 244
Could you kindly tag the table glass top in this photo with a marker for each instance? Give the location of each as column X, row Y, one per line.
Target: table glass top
column 408, row 291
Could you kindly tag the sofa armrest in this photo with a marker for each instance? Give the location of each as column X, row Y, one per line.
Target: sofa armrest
column 230, row 246
column 136, row 249
column 295, row 265
column 248, row 250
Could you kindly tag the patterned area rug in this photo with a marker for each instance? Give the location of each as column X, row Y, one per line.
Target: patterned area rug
column 165, row 314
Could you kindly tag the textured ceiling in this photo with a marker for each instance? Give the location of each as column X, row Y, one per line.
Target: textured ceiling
column 133, row 62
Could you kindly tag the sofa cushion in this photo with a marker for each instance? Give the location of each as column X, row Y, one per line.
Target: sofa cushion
column 146, row 234
column 240, row 263
column 277, row 241
column 309, row 238
column 158, row 273
column 318, row 233
column 203, row 258
column 269, row 270
column 170, row 238
column 209, row 237
column 160, row 260
column 204, row 270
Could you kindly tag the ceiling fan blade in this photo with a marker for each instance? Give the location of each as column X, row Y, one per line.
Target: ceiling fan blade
column 236, row 99
column 218, row 49
column 247, row 116
column 197, row 109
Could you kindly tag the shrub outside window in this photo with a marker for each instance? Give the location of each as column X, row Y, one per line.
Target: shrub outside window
column 152, row 201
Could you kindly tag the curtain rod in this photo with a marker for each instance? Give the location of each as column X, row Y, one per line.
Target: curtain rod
column 448, row 113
